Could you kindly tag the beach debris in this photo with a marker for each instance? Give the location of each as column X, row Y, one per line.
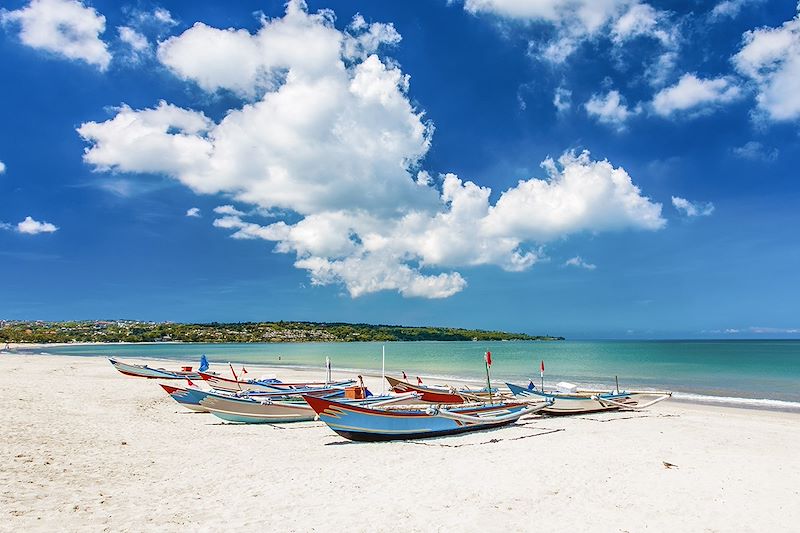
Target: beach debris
column 669, row 465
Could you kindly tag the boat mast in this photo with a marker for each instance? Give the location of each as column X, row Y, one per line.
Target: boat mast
column 383, row 370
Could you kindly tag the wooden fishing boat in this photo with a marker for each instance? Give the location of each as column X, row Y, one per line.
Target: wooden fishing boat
column 439, row 394
column 370, row 424
column 583, row 402
column 188, row 397
column 253, row 411
column 237, row 385
column 260, row 411
column 242, row 409
column 191, row 397
column 261, row 408
column 144, row 371
column 255, row 407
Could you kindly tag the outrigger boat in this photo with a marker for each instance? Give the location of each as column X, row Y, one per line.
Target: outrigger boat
column 144, row 371
column 269, row 408
column 188, row 397
column 440, row 394
column 268, row 411
column 244, row 409
column 192, row 396
column 370, row 423
column 237, row 385
column 574, row 401
column 251, row 411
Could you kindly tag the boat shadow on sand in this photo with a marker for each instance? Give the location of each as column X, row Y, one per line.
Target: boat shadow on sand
column 440, row 441
column 619, row 418
column 531, row 424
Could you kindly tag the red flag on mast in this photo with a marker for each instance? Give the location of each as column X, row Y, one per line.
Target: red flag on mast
column 541, row 368
column 488, row 358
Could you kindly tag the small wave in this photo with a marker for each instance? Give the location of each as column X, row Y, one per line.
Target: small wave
column 764, row 403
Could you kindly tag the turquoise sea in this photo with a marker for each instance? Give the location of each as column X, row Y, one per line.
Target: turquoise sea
column 757, row 373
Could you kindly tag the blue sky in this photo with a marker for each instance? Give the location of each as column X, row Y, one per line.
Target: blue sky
column 624, row 169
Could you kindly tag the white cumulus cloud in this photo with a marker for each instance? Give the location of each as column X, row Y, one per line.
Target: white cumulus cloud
column 770, row 57
column 67, row 28
column 2, row 167
column 193, row 212
column 307, row 44
column 577, row 21
column 137, row 42
column 756, row 151
column 729, row 8
column 228, row 210
column 133, row 38
column 158, row 19
column 578, row 262
column 691, row 93
column 562, row 99
column 30, row 226
column 143, row 27
column 692, row 209
column 329, row 140
column 642, row 20
column 610, row 109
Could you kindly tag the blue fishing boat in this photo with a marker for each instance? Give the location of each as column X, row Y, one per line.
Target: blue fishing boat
column 369, row 424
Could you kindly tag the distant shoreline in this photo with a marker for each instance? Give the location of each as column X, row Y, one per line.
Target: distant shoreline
column 135, row 331
column 35, row 345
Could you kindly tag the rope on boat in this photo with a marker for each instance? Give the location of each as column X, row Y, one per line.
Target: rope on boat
column 629, row 407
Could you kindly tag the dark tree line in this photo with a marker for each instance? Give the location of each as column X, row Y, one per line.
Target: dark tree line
column 135, row 331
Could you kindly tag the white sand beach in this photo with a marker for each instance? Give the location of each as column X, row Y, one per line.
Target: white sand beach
column 85, row 448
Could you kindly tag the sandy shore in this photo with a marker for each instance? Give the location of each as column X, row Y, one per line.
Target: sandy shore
column 85, row 448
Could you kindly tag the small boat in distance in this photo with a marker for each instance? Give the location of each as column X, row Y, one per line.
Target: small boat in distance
column 144, row 371
column 366, row 424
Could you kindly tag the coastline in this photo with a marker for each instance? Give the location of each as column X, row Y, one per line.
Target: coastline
column 456, row 376
column 100, row 450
